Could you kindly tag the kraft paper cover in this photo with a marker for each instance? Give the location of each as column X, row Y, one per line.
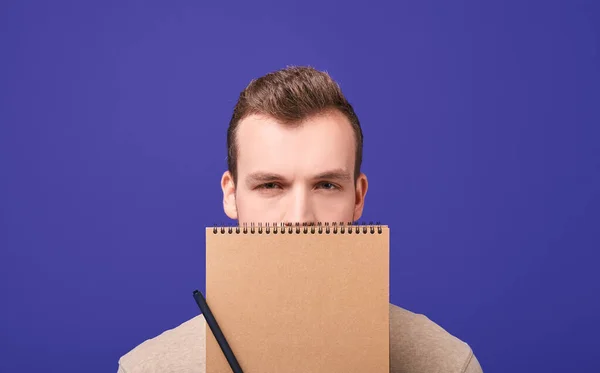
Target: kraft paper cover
column 300, row 302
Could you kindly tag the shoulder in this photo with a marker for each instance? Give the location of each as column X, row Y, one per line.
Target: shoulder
column 180, row 349
column 417, row 344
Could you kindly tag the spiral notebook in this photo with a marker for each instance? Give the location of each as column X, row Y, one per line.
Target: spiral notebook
column 299, row 298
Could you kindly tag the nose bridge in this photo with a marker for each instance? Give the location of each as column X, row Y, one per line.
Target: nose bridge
column 300, row 209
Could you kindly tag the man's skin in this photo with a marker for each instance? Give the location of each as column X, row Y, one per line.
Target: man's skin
column 295, row 173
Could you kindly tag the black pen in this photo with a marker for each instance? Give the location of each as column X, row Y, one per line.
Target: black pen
column 216, row 330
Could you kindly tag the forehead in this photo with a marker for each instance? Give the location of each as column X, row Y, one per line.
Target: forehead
column 317, row 144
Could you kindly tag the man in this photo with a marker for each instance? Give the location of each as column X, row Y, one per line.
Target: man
column 294, row 155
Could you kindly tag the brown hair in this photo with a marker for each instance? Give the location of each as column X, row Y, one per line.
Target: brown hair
column 291, row 95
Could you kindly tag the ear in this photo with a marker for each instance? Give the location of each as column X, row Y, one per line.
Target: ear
column 228, row 187
column 362, row 184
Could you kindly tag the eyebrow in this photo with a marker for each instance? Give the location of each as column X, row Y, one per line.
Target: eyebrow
column 262, row 177
column 337, row 174
column 266, row 177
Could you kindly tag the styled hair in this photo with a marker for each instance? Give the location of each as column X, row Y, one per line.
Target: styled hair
column 291, row 95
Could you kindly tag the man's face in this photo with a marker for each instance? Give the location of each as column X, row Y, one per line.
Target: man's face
column 295, row 174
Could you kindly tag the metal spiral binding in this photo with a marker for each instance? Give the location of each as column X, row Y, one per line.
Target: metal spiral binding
column 297, row 228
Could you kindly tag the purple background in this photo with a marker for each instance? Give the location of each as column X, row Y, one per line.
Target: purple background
column 482, row 130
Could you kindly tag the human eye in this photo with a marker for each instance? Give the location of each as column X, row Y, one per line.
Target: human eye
column 269, row 186
column 327, row 186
